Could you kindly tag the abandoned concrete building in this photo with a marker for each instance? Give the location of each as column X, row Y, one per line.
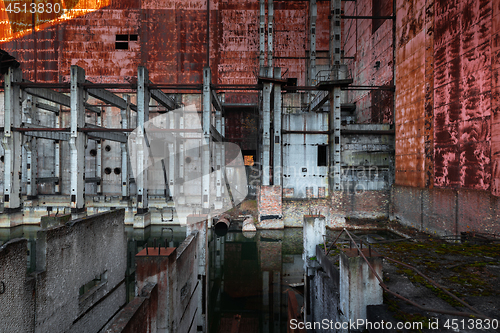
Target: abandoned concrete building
column 131, row 130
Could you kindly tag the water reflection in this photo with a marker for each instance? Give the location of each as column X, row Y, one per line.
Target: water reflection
column 250, row 277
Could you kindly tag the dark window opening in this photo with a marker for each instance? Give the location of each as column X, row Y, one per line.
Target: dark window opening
column 380, row 8
column 91, row 284
column 322, row 155
column 122, row 41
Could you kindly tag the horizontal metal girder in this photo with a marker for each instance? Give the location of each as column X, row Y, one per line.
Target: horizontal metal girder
column 47, row 107
column 102, row 133
column 110, row 98
column 163, row 99
column 57, row 97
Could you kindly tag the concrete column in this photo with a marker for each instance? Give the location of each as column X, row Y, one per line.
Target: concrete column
column 125, row 114
column 270, row 19
column 206, row 141
column 266, row 135
column 358, row 285
column 12, row 141
column 262, row 31
column 143, row 97
column 277, row 163
column 77, row 140
column 314, row 229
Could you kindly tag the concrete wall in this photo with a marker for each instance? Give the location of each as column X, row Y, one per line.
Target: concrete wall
column 447, row 211
column 302, row 176
column 175, row 272
column 17, row 288
column 68, row 257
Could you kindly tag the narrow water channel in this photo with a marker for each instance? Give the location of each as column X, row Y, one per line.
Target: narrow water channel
column 251, row 278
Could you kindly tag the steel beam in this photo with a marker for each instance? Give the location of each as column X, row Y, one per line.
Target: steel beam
column 143, row 97
column 98, row 160
column 44, row 133
column 57, row 97
column 218, row 156
column 206, row 142
column 57, row 157
column 163, row 99
column 12, row 141
column 47, row 107
column 77, row 139
column 277, row 163
column 103, row 134
column 215, row 101
column 110, row 98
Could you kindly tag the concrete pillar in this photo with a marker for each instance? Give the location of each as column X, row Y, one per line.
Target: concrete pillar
column 125, row 114
column 358, row 285
column 206, row 141
column 77, row 141
column 262, row 36
column 270, row 19
column 12, row 141
column 314, row 229
column 143, row 97
column 277, row 162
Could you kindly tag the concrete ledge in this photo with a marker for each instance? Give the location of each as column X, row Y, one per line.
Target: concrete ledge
column 446, row 211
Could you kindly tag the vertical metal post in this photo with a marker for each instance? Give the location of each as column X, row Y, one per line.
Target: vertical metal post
column 335, row 93
column 124, row 149
column 77, row 139
column 207, row 108
column 12, row 141
column 31, row 151
column 277, row 164
column 172, row 153
column 262, row 35
column 270, row 19
column 313, row 13
column 57, row 156
column 143, row 97
column 218, row 161
column 98, row 168
column 182, row 149
column 266, row 136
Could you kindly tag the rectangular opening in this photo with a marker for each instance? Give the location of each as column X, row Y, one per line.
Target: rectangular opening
column 322, row 155
column 98, row 280
column 122, row 38
column 133, row 38
column 121, row 45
